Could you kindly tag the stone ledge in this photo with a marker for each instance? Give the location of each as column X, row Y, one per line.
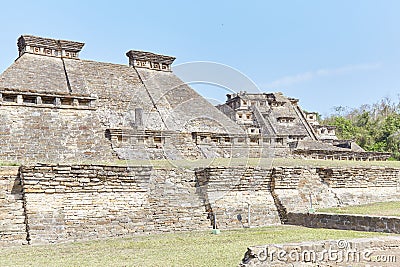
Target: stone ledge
column 31, row 105
column 346, row 222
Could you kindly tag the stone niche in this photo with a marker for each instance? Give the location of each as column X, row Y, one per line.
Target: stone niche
column 39, row 100
column 141, row 59
column 49, row 47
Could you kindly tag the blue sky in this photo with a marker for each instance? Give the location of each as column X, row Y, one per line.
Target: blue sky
column 327, row 53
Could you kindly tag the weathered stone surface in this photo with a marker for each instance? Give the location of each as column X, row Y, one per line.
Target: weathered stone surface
column 115, row 201
column 54, row 203
column 346, row 222
column 67, row 107
column 299, row 188
column 381, row 251
column 12, row 217
column 238, row 196
column 272, row 118
column 79, row 110
column 51, row 135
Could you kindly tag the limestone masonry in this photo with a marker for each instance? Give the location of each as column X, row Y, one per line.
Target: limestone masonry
column 58, row 203
column 66, row 121
column 57, row 107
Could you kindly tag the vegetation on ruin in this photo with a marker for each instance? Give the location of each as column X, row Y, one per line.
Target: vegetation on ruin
column 179, row 249
column 374, row 127
column 235, row 162
column 254, row 162
column 9, row 164
column 391, row 208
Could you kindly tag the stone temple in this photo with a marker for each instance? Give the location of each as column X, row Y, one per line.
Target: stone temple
column 68, row 123
column 56, row 107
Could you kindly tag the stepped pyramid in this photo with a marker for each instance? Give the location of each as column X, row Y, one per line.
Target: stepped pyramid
column 56, row 106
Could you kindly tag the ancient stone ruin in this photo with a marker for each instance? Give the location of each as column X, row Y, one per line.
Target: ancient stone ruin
column 279, row 122
column 57, row 107
column 67, row 121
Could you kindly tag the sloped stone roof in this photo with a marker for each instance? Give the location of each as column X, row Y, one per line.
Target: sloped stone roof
column 181, row 107
column 35, row 73
column 278, row 107
column 167, row 103
column 288, row 110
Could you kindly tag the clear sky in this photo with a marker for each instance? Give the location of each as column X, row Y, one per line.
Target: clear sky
column 327, row 53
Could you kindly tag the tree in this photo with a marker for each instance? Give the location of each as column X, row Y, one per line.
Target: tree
column 345, row 128
column 374, row 127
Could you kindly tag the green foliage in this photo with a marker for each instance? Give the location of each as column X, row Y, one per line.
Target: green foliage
column 9, row 163
column 344, row 126
column 374, row 128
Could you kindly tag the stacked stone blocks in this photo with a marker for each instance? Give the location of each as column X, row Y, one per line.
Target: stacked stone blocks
column 56, row 203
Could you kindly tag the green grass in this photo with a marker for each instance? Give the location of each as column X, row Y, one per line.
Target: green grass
column 380, row 209
column 266, row 163
column 9, row 164
column 233, row 162
column 179, row 249
column 252, row 162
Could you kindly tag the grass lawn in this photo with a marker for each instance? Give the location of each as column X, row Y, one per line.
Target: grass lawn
column 261, row 162
column 253, row 162
column 179, row 249
column 381, row 209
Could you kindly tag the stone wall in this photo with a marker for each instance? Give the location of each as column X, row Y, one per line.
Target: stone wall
column 12, row 217
column 232, row 194
column 79, row 202
column 38, row 133
column 346, row 222
column 84, row 202
column 55, row 203
column 153, row 145
column 299, row 188
column 354, row 186
column 132, row 144
column 340, row 155
column 244, row 150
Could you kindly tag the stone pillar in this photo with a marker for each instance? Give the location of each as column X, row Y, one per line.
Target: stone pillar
column 20, row 100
